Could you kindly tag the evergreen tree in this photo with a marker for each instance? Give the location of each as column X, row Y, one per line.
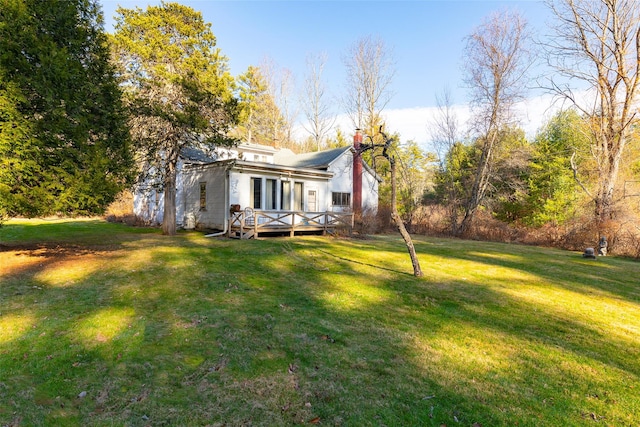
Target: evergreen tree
column 454, row 179
column 512, row 167
column 252, row 88
column 261, row 120
column 553, row 191
column 64, row 145
column 177, row 87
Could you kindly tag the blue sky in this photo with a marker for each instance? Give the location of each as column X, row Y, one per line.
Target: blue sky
column 426, row 38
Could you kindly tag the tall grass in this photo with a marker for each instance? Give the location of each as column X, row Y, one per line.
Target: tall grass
column 102, row 324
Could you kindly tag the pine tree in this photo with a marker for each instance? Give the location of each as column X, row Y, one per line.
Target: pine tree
column 177, row 87
column 64, row 144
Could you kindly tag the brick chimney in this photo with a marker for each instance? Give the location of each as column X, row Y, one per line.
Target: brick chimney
column 357, row 173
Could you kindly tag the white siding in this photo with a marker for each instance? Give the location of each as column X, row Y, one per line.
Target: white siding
column 369, row 192
column 342, row 182
column 216, row 206
column 148, row 199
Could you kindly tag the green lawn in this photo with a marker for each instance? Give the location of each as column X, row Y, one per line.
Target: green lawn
column 103, row 324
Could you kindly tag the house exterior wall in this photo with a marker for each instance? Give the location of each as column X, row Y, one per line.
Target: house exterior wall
column 148, row 199
column 369, row 192
column 240, row 190
column 342, row 182
column 213, row 213
column 148, row 204
column 248, row 152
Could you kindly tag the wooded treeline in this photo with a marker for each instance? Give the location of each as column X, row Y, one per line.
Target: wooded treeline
column 83, row 114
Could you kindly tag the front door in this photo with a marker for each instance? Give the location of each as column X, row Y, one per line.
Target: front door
column 311, row 201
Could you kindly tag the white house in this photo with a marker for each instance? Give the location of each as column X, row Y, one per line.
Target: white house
column 273, row 182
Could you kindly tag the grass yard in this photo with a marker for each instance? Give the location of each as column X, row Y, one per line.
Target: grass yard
column 103, row 324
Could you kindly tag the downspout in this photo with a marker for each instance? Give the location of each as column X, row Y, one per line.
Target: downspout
column 226, row 208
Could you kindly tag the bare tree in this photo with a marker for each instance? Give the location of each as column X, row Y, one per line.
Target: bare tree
column 315, row 101
column 370, row 71
column 279, row 86
column 598, row 42
column 497, row 60
column 287, row 106
column 385, row 145
column 444, row 134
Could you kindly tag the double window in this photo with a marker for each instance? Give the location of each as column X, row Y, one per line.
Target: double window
column 291, row 201
column 270, row 193
column 342, row 200
column 291, row 194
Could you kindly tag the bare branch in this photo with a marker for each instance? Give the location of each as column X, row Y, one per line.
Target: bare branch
column 598, row 42
column 370, row 71
column 315, row 101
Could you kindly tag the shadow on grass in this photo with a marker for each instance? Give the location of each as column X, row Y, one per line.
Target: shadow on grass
column 185, row 330
column 561, row 268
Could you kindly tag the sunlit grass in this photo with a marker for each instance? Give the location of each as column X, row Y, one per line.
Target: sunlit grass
column 102, row 324
column 13, row 326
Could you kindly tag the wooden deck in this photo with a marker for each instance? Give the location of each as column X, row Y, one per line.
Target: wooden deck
column 253, row 223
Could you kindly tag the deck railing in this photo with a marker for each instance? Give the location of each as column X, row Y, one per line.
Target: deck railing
column 248, row 223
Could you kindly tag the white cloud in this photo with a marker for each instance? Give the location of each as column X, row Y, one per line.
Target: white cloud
column 414, row 123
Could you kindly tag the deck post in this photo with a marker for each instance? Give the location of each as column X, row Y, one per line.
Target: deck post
column 324, row 228
column 255, row 225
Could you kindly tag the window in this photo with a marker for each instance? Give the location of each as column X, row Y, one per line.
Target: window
column 271, row 194
column 298, row 201
column 203, row 196
column 285, row 202
column 341, row 199
column 256, row 193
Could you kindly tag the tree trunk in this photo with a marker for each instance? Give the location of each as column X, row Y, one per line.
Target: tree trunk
column 479, row 187
column 169, row 215
column 417, row 271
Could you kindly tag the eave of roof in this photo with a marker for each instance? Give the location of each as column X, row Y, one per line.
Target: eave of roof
column 244, row 165
column 260, row 167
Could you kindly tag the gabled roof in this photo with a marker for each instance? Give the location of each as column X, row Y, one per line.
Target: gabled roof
column 195, row 155
column 317, row 160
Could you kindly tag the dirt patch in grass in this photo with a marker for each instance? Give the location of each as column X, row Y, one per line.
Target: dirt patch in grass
column 55, row 250
column 31, row 258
